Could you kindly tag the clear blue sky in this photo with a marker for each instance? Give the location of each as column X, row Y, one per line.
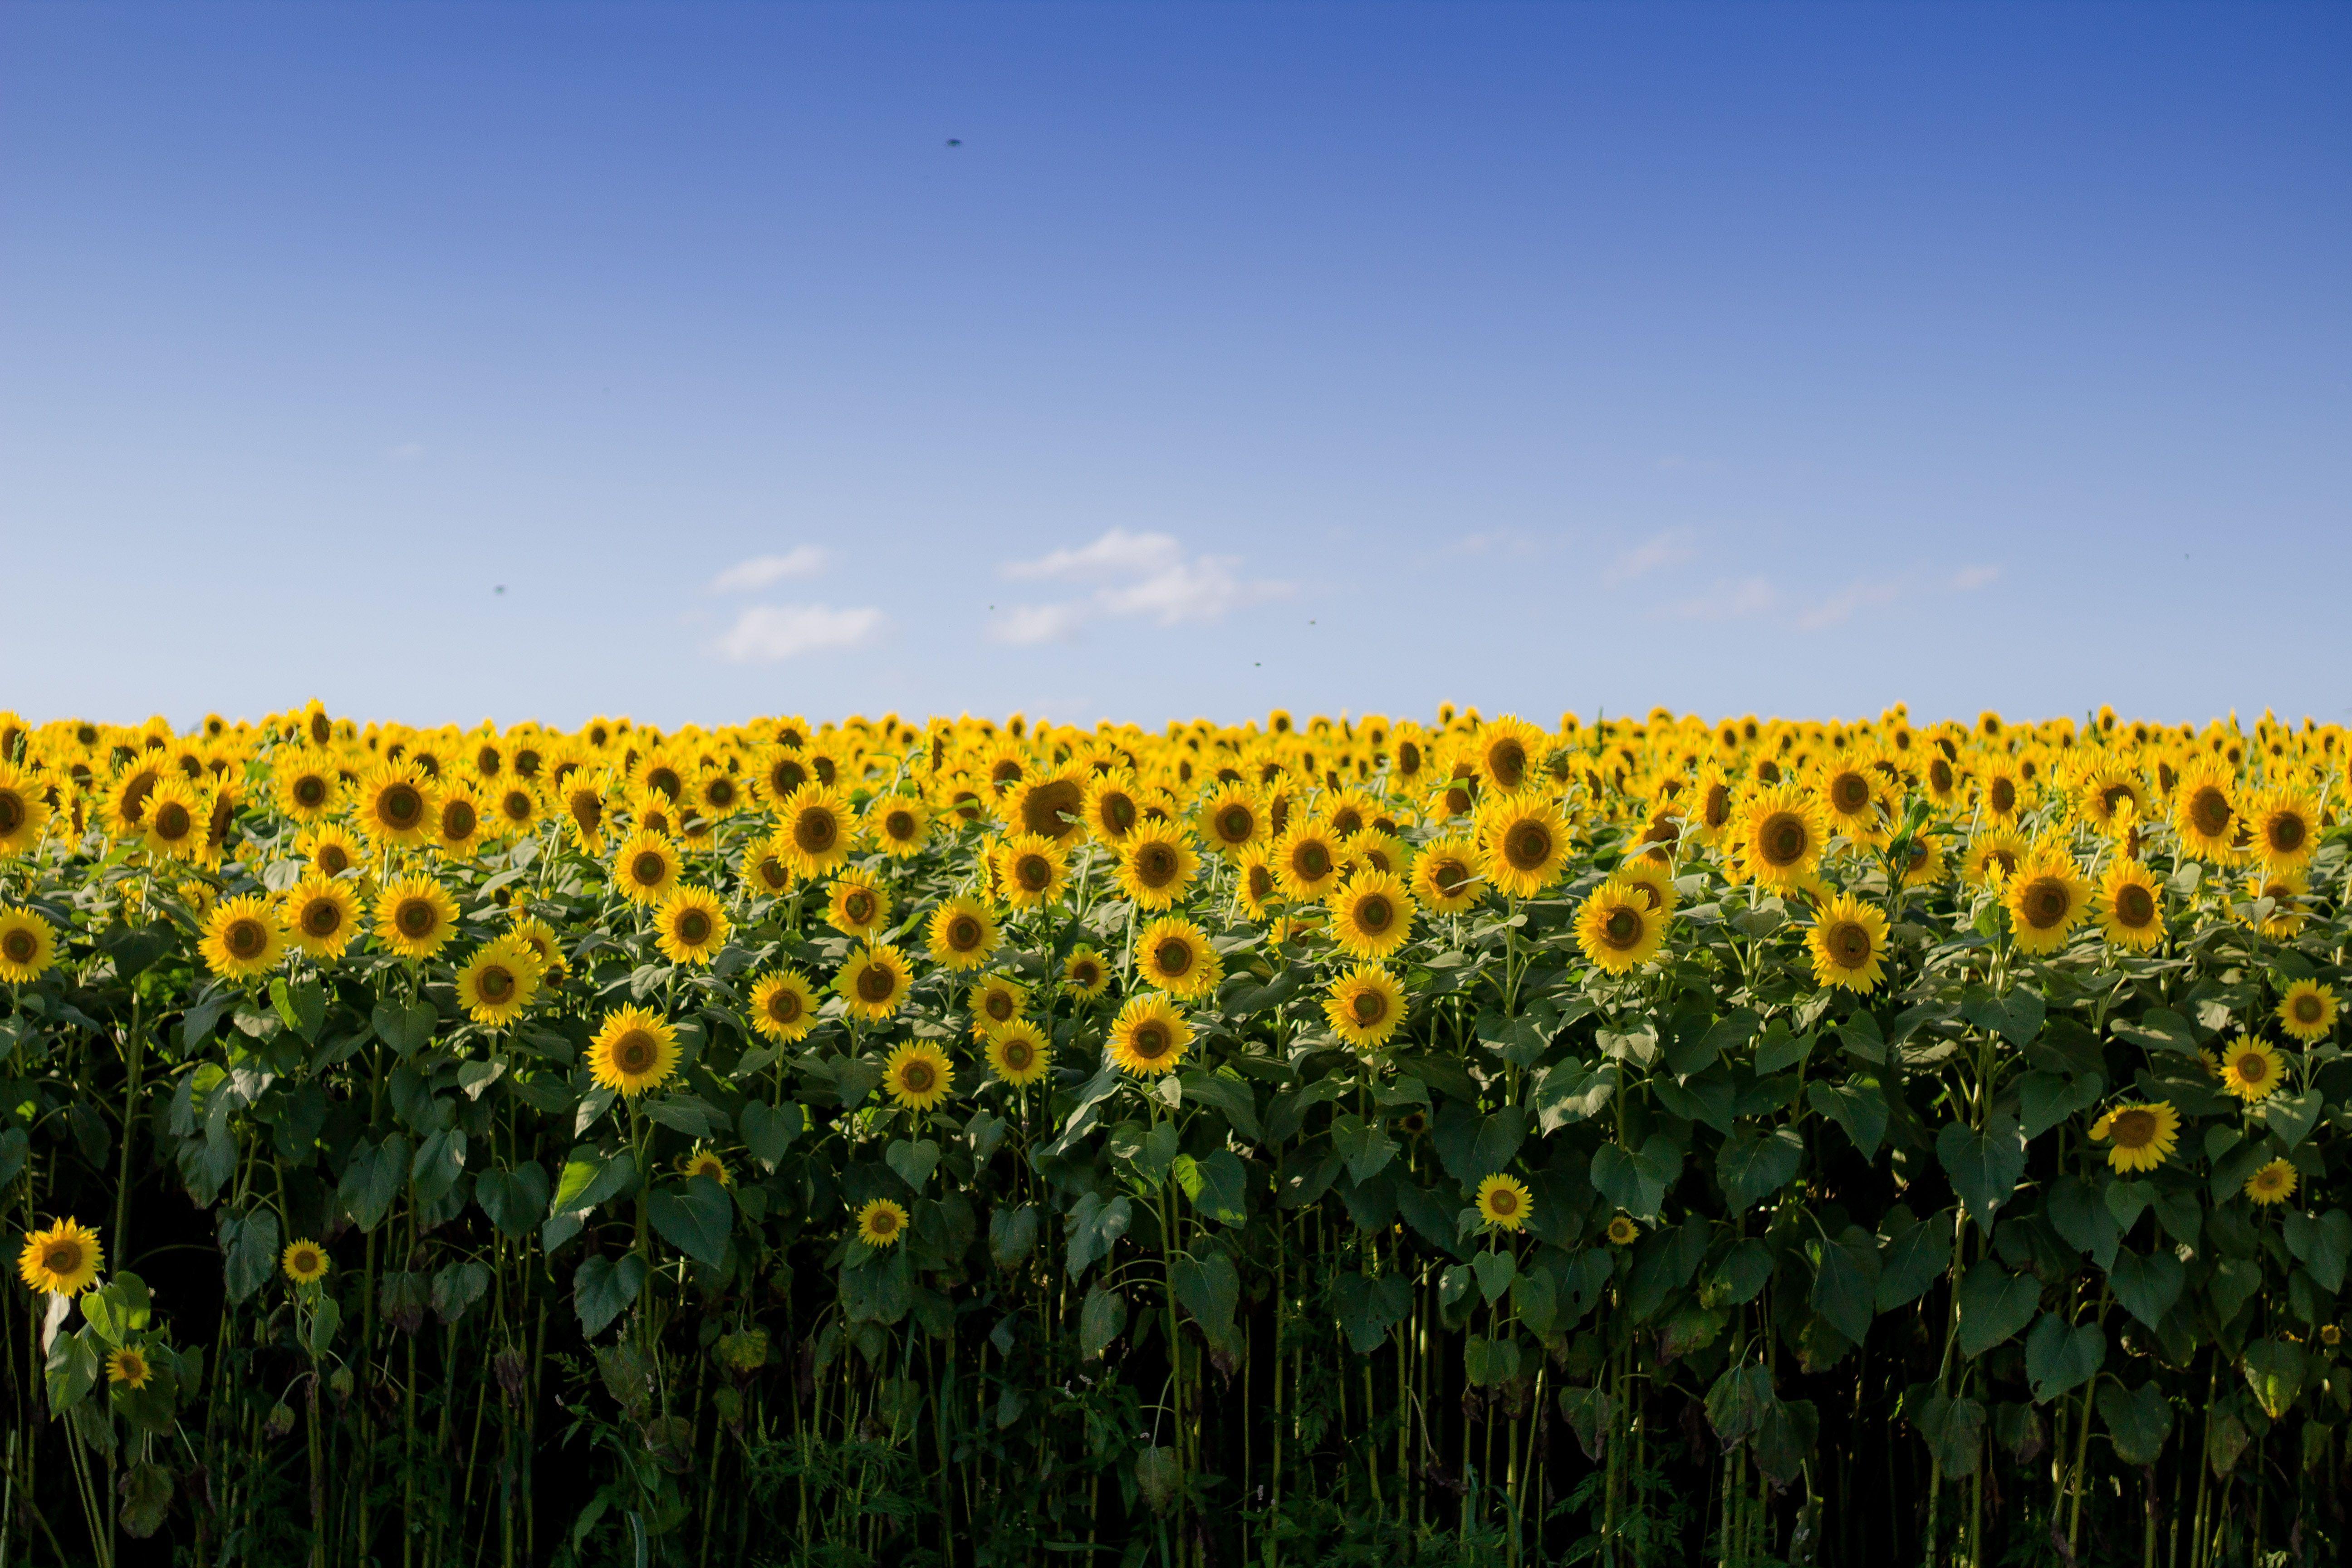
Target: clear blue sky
column 1793, row 359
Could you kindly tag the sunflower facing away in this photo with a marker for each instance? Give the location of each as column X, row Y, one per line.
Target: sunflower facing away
column 2273, row 1183
column 783, row 1008
column 635, row 1050
column 1503, row 1202
column 62, row 1260
column 881, row 1223
column 874, row 980
column 27, row 946
column 1156, row 865
column 2251, row 1068
column 2144, row 1135
column 1175, row 956
column 305, row 1262
column 2131, row 905
column 1364, row 1006
column 2047, row 899
column 2308, row 1011
column 1616, row 927
column 321, row 916
column 414, row 917
column 1448, row 875
column 644, row 868
column 1018, row 1053
column 691, row 926
column 1084, row 975
column 1372, row 915
column 242, row 938
column 498, row 982
column 1150, row 1036
column 1527, row 841
column 961, row 934
column 1848, row 940
column 918, row 1076
column 1779, row 836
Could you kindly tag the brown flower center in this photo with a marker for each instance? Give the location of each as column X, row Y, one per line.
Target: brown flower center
column 2252, row 1067
column 875, row 982
column 2134, row 907
column 1235, row 823
column 1850, row 792
column 1503, row 1202
column 2133, row 1128
column 1313, row 861
column 244, row 937
column 693, row 927
column 784, row 1005
column 963, row 933
column 1368, row 1007
column 401, row 806
column 2004, row 795
column 1042, row 812
column 309, row 790
column 416, row 918
column 2287, row 833
column 1782, row 839
column 635, row 1053
column 1017, row 1054
column 495, row 984
column 458, row 821
column 814, row 830
column 2208, row 808
column 1034, row 872
column 899, row 826
column 62, row 1258
column 1527, row 845
column 332, row 859
column 1849, row 944
column 858, row 907
column 20, row 945
column 1375, row 914
column 321, row 918
column 648, row 868
column 1621, row 929
column 2045, row 902
column 1151, row 1041
column 1156, row 865
column 1173, row 958
column 171, row 821
column 2308, row 1008
column 1508, row 761
column 917, row 1076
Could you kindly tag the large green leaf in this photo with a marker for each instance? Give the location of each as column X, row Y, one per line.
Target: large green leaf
column 1845, row 1281
column 603, row 1288
column 1994, row 1304
column 2147, row 1286
column 1209, row 1288
column 1914, row 1260
column 1369, row 1306
column 2276, row 1369
column 1366, row 1146
column 1858, row 1105
column 1752, row 1166
column 1955, row 1432
column 1984, row 1164
column 694, row 1217
column 1636, row 1182
column 2137, row 1421
column 1218, row 1185
column 2061, row 1358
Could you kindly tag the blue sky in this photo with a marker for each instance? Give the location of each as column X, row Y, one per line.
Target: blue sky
column 1775, row 358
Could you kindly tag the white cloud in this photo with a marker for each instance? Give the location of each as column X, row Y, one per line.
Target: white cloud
column 1840, row 607
column 801, row 561
column 1729, row 601
column 1146, row 575
column 1652, row 555
column 766, row 633
column 1967, row 578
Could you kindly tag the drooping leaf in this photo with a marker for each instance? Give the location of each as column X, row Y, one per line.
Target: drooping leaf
column 2137, row 1421
column 2061, row 1358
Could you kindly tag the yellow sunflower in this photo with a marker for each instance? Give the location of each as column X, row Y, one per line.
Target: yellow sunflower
column 310, row 785
column 1848, row 940
column 455, row 814
column 703, row 1162
column 127, row 1366
column 498, row 982
column 2047, row 898
column 691, row 926
column 1843, row 787
column 1779, row 836
column 1655, row 879
column 1150, row 1036
column 918, row 1076
column 2000, row 787
column 776, row 771
column 2144, row 1135
column 995, row 1001
column 1449, row 874
column 961, row 934
column 516, row 806
column 329, row 848
column 645, row 867
column 392, row 807
column 1622, row 1231
column 2131, row 905
column 27, row 946
column 1370, row 849
column 874, row 982
column 1233, row 819
column 1527, row 843
column 1019, row 1053
column 784, row 1006
column 2285, row 889
column 1364, row 1006
column 898, row 825
column 242, row 938
column 1175, row 955
column 1115, row 806
column 633, row 1050
column 177, row 813
column 1253, row 886
column 2112, row 797
column 1032, row 871
column 1616, row 927
column 1084, row 975
column 2273, row 1183
column 305, row 1262
column 2284, row 824
column 2308, row 1011
column 24, row 810
column 62, row 1260
column 2205, row 810
column 539, row 937
column 414, row 917
column 1508, row 752
column 766, row 873
column 2251, row 1068
column 1308, row 859
column 125, row 810
column 881, row 1223
column 857, row 905
column 1050, row 806
column 1503, row 1202
column 320, row 915
column 1993, row 857
column 582, row 797
column 813, row 833
column 1372, row 915
column 1156, row 865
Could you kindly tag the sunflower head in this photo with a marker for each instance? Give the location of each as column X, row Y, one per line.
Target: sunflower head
column 1233, row 819
column 1156, row 865
column 24, row 809
column 881, row 1223
column 1616, row 927
column 784, row 1006
column 1779, row 836
column 1372, row 915
column 918, row 1076
column 1449, row 874
column 690, row 925
column 2251, row 1068
column 305, row 1262
column 127, row 1367
column 898, row 825
column 1150, row 1036
column 814, row 829
column 62, row 1260
column 1175, row 955
column 2284, row 824
column 178, row 814
column 2047, row 898
column 1365, row 1006
column 703, row 1162
column 393, row 808
column 645, row 867
column 961, row 934
column 309, row 786
column 1031, row 871
column 995, row 1000
column 243, row 938
column 874, row 982
column 1526, row 842
column 1848, row 941
column 28, row 945
column 2308, row 1011
column 2131, row 905
column 2273, row 1183
column 1019, row 1053
column 633, row 1050
column 1052, row 806
column 2143, row 1135
column 498, row 982
column 1623, row 1231
column 416, row 916
column 1084, row 975
column 456, row 817
column 1308, row 859
column 1503, row 1203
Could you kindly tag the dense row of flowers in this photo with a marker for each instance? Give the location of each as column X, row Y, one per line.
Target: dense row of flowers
column 1564, row 1065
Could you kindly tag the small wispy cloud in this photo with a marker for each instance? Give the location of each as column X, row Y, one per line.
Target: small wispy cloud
column 1969, row 579
column 1840, row 607
column 1730, row 601
column 765, row 633
column 1656, row 554
column 801, row 561
column 1142, row 575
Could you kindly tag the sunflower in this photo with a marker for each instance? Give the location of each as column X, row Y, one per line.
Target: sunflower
column 1233, row 819
column 28, row 945
column 858, row 905
column 1779, row 836
column 766, row 872
column 874, row 982
column 776, row 771
column 1050, row 806
column 330, row 848
column 1018, row 1053
column 1084, row 975
column 581, row 799
column 1115, row 806
column 517, row 806
column 898, row 825
column 305, row 1262
column 177, row 813
column 127, row 1367
column 62, row 1260
column 1616, row 927
column 1527, row 844
column 456, row 817
column 813, row 833
column 2205, row 810
column 1993, row 857
column 320, row 915
column 1156, row 865
column 1843, row 785
column 1507, row 753
column 2284, row 822
column 1448, row 875
column 498, row 982
column 961, row 934
column 1622, row 1231
column 2273, row 1183
column 2308, row 1011
column 242, row 938
column 2285, row 889
column 1503, row 1202
column 414, row 917
column 2131, row 905
column 125, row 810
column 881, row 1223
column 918, row 1076
column 539, row 937
column 703, row 1162
column 1175, row 955
column 1654, row 878
column 392, row 808
column 2112, row 797
column 1372, row 849
column 994, row 1001
column 2047, row 898
column 1254, row 885
column 690, row 925
column 1372, row 915
column 783, row 1008
column 24, row 811
column 2002, row 789
column 645, row 867
column 1364, row 1006
column 1150, row 1036
column 1308, row 859
column 2251, row 1068
column 1032, row 871
column 1848, row 940
column 2144, row 1135
column 633, row 1050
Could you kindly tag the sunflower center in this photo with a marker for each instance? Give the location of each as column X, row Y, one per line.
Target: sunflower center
column 899, row 826
column 694, row 926
column 1850, row 792
column 635, row 1053
column 720, row 791
column 2134, row 906
column 1527, row 845
column 244, row 939
column 1151, row 1042
column 2112, row 796
column 813, row 831
column 2004, row 795
column 416, row 918
column 402, row 805
column 2287, row 833
column 917, row 1077
column 1368, row 1008
column 172, row 820
column 1017, row 1055
column 1314, row 860
column 333, row 860
column 884, row 1223
column 1234, row 823
column 1508, row 759
column 666, row 781
column 321, row 918
column 771, row 872
column 1940, row 775
column 457, row 820
column 19, row 945
column 1504, row 1202
column 311, row 790
column 495, row 984
column 1783, row 838
column 1623, row 929
column 999, row 1005
column 1849, row 944
column 1155, row 866
column 1450, row 876
column 963, row 933
column 875, row 982
column 2045, row 902
column 588, row 810
column 1046, row 804
column 2307, row 1009
column 2133, row 1129
column 785, row 777
column 2251, row 1067
column 1085, row 974
column 1715, row 809
column 1261, row 881
column 784, row 1005
column 1374, row 913
column 2208, row 808
column 1033, row 873
column 859, row 906
column 62, row 1258
column 1174, row 957
column 648, row 868
column 516, row 806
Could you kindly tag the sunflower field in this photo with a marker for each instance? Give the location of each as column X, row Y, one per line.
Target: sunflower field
column 1330, row 1141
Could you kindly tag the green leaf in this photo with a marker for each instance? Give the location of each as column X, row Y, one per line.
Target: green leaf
column 513, row 1200
column 879, row 1288
column 1984, row 1165
column 1845, row 1285
column 406, row 1027
column 2275, row 1371
column 1102, row 1320
column 1369, row 1306
column 1218, row 1186
column 2016, row 1017
column 327, row 1316
column 2077, row 1214
column 2147, row 1286
column 769, row 1130
column 146, row 1492
column 1637, row 1181
column 1914, row 1260
column 602, row 1288
column 1092, row 1229
column 1697, row 1051
column 695, row 1219
column 251, row 1242
column 2137, row 1422
column 590, row 1178
column 1663, row 1262
column 1013, row 1236
column 1994, row 1304
column 1753, row 1167
column 1740, row 1276
column 1736, row 1406
column 2159, row 1029
column 2047, row 1099
column 2060, row 1358
column 1366, row 1146
column 1496, row 1270
column 460, row 1285
column 372, row 1181
column 2292, row 1116
column 1229, row 1096
column 1487, row 1362
column 71, row 1373
column 1955, row 1432
column 119, row 1309
column 1209, row 1289
column 1857, row 1105
column 913, row 1162
column 440, row 1159
column 2323, row 1245
column 302, row 1005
